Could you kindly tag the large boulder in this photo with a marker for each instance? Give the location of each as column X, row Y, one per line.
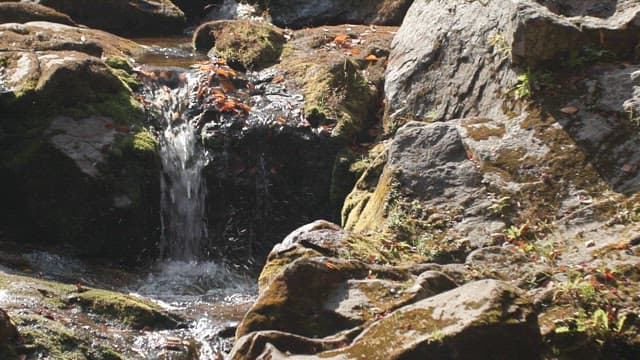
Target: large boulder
column 449, row 78
column 483, row 319
column 25, row 12
column 123, row 17
column 70, row 110
column 318, row 296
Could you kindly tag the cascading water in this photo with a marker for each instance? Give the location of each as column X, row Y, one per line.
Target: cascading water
column 184, row 231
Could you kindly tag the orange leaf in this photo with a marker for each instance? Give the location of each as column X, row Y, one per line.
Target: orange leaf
column 330, row 266
column 371, row 58
column 355, row 51
column 282, row 120
column 220, row 62
column 340, row 39
column 245, row 107
column 278, row 79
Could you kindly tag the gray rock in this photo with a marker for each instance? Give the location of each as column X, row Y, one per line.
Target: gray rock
column 84, row 141
column 319, row 235
column 431, row 161
column 463, row 69
column 486, row 319
column 297, row 13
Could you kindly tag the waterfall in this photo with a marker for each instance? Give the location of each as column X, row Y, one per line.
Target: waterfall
column 183, row 220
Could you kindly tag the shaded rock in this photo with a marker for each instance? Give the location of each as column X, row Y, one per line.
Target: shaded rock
column 252, row 45
column 298, row 14
column 69, row 108
column 131, row 18
column 8, row 331
column 11, row 12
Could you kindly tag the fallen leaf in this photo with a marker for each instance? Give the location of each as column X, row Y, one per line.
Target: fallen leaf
column 371, row 58
column 570, row 110
column 628, row 168
column 355, row 51
column 340, row 39
column 330, row 266
column 277, row 79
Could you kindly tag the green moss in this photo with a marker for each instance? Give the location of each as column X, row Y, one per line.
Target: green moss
column 125, row 309
column 145, row 142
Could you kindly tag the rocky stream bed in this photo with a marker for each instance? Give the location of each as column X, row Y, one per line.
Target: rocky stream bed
column 384, row 179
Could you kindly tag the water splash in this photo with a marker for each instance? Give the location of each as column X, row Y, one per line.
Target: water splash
column 183, row 199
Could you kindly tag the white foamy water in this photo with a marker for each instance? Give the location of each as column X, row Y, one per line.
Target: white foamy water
column 183, row 199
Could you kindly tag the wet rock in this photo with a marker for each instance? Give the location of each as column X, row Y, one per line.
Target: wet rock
column 11, row 12
column 138, row 18
column 298, row 14
column 252, row 45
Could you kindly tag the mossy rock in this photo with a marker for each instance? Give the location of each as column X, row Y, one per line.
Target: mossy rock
column 253, row 45
column 125, row 309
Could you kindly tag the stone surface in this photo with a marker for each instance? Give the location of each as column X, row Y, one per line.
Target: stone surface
column 122, row 17
column 448, row 79
column 469, row 322
column 11, row 12
column 298, row 14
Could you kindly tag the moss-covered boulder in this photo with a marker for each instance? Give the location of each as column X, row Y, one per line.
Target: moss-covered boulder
column 14, row 12
column 249, row 44
column 70, row 110
column 339, row 72
column 122, row 17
